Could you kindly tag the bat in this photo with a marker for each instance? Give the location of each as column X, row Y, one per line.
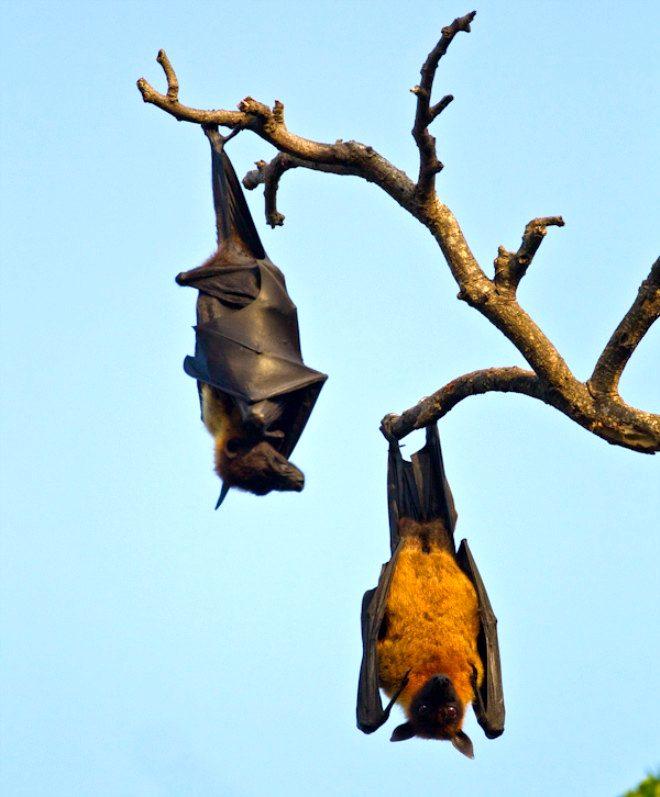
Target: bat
column 256, row 393
column 429, row 633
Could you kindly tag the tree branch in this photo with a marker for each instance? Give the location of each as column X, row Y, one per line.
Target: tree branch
column 432, row 408
column 613, row 421
column 170, row 76
column 511, row 267
column 342, row 157
column 429, row 165
column 269, row 174
column 626, row 337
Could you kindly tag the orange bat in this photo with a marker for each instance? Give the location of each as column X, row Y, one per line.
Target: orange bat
column 429, row 632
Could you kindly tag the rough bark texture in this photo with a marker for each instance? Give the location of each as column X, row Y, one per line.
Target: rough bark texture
column 596, row 405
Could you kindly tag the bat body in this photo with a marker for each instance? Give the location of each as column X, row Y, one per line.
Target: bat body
column 429, row 632
column 256, row 393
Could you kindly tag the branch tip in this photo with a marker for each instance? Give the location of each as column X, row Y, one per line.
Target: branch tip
column 170, row 75
column 510, row 267
column 278, row 112
column 439, row 107
column 425, row 114
column 460, row 24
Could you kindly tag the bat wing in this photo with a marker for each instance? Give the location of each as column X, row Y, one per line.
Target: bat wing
column 419, row 489
column 370, row 712
column 235, row 284
column 489, row 699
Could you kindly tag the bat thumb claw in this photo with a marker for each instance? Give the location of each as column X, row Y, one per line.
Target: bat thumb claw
column 223, row 495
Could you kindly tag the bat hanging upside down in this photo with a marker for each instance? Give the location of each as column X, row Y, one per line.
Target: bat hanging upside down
column 429, row 633
column 256, row 394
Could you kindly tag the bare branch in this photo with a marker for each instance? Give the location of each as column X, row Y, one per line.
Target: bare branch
column 429, row 165
column 626, row 337
column 511, row 267
column 347, row 157
column 269, row 174
column 439, row 107
column 612, row 419
column 170, row 75
column 432, row 408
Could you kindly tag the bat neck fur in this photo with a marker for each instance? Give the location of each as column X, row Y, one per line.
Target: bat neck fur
column 222, row 419
column 430, row 533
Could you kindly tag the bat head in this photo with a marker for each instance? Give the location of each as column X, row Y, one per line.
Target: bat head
column 436, row 712
column 256, row 466
column 243, row 458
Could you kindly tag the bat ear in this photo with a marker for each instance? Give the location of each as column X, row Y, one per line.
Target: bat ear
column 462, row 742
column 402, row 732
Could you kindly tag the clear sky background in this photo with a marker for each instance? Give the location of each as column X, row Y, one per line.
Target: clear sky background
column 153, row 647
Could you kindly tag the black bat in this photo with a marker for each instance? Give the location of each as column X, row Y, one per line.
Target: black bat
column 429, row 633
column 256, row 394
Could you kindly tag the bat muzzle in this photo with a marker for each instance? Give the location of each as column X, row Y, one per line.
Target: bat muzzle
column 290, row 478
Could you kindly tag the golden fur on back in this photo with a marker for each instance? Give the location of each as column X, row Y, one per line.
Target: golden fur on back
column 431, row 619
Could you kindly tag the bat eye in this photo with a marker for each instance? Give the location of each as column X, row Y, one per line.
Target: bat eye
column 451, row 712
column 423, row 709
column 232, row 447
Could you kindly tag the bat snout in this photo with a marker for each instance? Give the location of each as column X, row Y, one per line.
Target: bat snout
column 286, row 476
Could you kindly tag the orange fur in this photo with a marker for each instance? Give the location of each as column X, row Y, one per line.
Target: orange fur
column 432, row 621
column 222, row 419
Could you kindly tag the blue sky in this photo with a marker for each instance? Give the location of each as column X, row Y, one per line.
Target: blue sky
column 155, row 647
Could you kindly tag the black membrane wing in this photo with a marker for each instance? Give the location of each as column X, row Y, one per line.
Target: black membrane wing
column 489, row 699
column 233, row 218
column 370, row 712
column 419, row 489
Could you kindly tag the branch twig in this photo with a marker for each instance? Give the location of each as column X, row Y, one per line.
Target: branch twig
column 170, row 76
column 269, row 174
column 626, row 337
column 510, row 267
column 429, row 165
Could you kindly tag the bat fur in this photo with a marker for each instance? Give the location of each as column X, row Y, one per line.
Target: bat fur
column 430, row 630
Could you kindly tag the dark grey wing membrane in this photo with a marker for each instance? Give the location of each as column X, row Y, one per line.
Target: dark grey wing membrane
column 370, row 712
column 247, row 342
column 233, row 218
column 419, row 489
column 234, row 286
column 489, row 699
